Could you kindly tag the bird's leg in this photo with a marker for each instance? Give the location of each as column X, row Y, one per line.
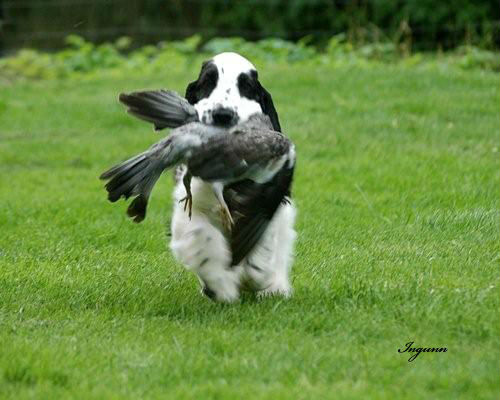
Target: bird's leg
column 227, row 219
column 188, row 199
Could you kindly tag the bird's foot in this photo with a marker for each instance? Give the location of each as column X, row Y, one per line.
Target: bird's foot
column 188, row 204
column 227, row 219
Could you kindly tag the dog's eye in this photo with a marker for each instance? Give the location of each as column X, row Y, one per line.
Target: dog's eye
column 247, row 87
column 207, row 83
column 245, row 81
column 210, row 77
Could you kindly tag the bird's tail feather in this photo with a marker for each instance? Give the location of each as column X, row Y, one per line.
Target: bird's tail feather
column 134, row 177
column 163, row 108
column 137, row 209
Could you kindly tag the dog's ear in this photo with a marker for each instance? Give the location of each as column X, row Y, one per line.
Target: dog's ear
column 191, row 90
column 267, row 105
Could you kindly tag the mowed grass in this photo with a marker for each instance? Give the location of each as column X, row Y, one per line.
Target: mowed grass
column 397, row 187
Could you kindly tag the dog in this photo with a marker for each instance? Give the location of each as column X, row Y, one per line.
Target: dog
column 228, row 92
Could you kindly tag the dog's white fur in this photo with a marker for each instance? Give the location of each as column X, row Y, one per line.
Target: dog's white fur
column 226, row 94
column 200, row 243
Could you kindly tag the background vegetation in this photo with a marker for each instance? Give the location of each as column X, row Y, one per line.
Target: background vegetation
column 83, row 59
column 421, row 24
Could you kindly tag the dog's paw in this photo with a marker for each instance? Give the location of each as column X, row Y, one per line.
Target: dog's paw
column 282, row 289
column 228, row 295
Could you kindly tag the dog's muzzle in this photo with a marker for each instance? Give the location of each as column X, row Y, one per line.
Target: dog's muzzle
column 222, row 116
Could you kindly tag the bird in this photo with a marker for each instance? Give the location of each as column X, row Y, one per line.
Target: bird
column 249, row 166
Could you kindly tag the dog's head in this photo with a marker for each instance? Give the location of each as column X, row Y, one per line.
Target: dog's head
column 228, row 91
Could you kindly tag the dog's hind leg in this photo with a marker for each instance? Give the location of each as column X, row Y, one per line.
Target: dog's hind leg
column 268, row 266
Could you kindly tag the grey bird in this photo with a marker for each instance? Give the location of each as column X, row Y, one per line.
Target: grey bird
column 250, row 166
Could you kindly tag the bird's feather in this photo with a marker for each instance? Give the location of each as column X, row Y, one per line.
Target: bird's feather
column 253, row 206
column 163, row 108
column 138, row 175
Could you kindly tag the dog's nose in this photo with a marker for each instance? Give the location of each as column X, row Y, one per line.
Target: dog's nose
column 223, row 116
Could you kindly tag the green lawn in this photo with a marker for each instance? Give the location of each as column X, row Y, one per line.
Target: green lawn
column 397, row 188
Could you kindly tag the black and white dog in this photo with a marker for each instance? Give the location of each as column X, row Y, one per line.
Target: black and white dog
column 227, row 92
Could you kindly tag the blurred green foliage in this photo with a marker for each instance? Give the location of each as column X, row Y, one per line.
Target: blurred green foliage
column 424, row 24
column 83, row 58
column 430, row 24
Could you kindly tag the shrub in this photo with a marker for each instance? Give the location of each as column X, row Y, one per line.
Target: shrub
column 84, row 59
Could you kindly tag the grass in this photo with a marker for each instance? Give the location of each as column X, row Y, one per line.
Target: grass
column 397, row 188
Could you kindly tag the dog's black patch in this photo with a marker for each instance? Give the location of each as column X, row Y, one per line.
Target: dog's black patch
column 250, row 87
column 204, row 85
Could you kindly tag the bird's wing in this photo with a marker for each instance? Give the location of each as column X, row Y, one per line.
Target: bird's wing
column 253, row 206
column 163, row 108
column 260, row 172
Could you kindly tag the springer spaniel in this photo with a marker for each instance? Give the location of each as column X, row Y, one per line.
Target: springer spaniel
column 227, row 92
